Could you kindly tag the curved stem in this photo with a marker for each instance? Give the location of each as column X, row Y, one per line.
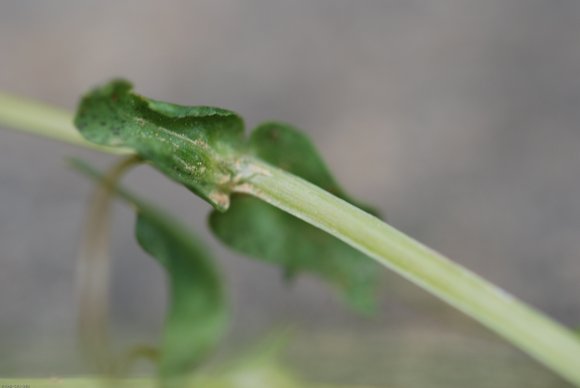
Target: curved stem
column 39, row 119
column 538, row 335
column 535, row 333
column 93, row 270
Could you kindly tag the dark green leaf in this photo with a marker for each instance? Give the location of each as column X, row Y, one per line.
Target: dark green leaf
column 197, row 313
column 189, row 144
column 258, row 229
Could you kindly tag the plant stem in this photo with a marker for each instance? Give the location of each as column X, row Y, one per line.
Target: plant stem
column 539, row 336
column 46, row 121
column 93, row 272
column 535, row 333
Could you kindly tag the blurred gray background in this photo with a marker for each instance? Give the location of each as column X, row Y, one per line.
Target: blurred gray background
column 458, row 119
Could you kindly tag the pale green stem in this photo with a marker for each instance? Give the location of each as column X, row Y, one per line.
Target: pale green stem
column 46, row 121
column 541, row 337
column 93, row 269
column 535, row 333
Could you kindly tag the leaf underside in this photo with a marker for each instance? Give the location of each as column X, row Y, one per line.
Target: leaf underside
column 196, row 145
column 185, row 143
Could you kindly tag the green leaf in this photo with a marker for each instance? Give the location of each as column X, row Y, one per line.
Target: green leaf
column 197, row 313
column 191, row 145
column 203, row 148
column 258, row 229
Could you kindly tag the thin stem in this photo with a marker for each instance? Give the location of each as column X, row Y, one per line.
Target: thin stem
column 538, row 335
column 93, row 270
column 39, row 119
